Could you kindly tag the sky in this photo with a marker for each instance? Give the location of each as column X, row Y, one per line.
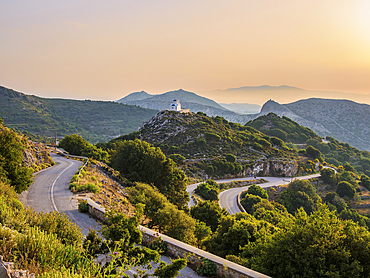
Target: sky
column 104, row 50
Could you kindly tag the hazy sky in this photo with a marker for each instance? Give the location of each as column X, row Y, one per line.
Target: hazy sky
column 108, row 49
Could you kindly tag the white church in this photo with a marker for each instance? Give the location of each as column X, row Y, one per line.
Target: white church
column 176, row 106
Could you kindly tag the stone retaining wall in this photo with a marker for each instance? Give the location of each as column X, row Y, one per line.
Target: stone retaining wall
column 7, row 271
column 176, row 248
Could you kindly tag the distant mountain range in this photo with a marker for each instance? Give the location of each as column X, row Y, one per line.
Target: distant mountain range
column 166, row 98
column 188, row 100
column 281, row 94
column 242, row 108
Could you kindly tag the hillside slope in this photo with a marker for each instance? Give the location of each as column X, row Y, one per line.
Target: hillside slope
column 94, row 120
column 283, row 127
column 345, row 120
column 197, row 135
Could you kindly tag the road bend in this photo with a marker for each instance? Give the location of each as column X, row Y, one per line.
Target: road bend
column 50, row 192
column 228, row 198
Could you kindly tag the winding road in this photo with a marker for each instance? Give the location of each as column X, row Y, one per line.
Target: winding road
column 50, row 192
column 228, row 198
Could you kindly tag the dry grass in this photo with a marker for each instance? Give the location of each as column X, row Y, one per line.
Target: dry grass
column 111, row 195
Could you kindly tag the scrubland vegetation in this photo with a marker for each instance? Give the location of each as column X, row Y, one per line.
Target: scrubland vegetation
column 315, row 228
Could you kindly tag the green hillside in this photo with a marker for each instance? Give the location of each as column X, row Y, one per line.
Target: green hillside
column 332, row 151
column 199, row 136
column 283, row 127
column 96, row 121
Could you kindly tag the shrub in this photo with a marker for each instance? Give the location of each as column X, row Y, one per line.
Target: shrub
column 206, row 267
column 159, row 245
column 257, row 191
column 346, row 189
column 83, row 206
column 207, row 191
column 248, row 201
column 90, row 187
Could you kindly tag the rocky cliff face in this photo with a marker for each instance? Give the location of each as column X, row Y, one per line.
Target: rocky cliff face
column 274, row 168
column 36, row 155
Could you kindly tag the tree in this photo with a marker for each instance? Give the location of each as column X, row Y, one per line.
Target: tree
column 209, row 213
column 248, row 202
column 236, row 231
column 207, row 191
column 202, row 231
column 316, row 245
column 314, row 153
column 334, row 199
column 74, row 144
column 161, row 214
column 176, row 223
column 351, row 214
column 140, row 162
column 348, row 167
column 328, row 176
column 258, row 191
column 365, row 181
column 273, row 213
column 300, row 193
column 230, row 158
column 178, row 158
column 123, row 237
column 12, row 168
column 346, row 189
column 278, row 142
column 349, row 177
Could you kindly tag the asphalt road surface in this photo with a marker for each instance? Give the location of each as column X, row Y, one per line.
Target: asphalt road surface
column 228, row 198
column 49, row 192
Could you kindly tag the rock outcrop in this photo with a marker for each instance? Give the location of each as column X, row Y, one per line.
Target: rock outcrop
column 7, row 271
column 36, row 154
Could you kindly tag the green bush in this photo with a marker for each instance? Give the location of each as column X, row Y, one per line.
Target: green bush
column 346, row 189
column 83, row 206
column 206, row 267
column 159, row 245
column 207, row 191
column 257, row 191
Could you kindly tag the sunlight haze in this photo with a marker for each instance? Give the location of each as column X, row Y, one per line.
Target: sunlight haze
column 106, row 50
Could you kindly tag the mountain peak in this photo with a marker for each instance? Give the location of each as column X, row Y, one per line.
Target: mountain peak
column 273, row 106
column 135, row 96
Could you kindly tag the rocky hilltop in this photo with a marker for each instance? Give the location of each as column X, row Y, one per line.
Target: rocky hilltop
column 283, row 110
